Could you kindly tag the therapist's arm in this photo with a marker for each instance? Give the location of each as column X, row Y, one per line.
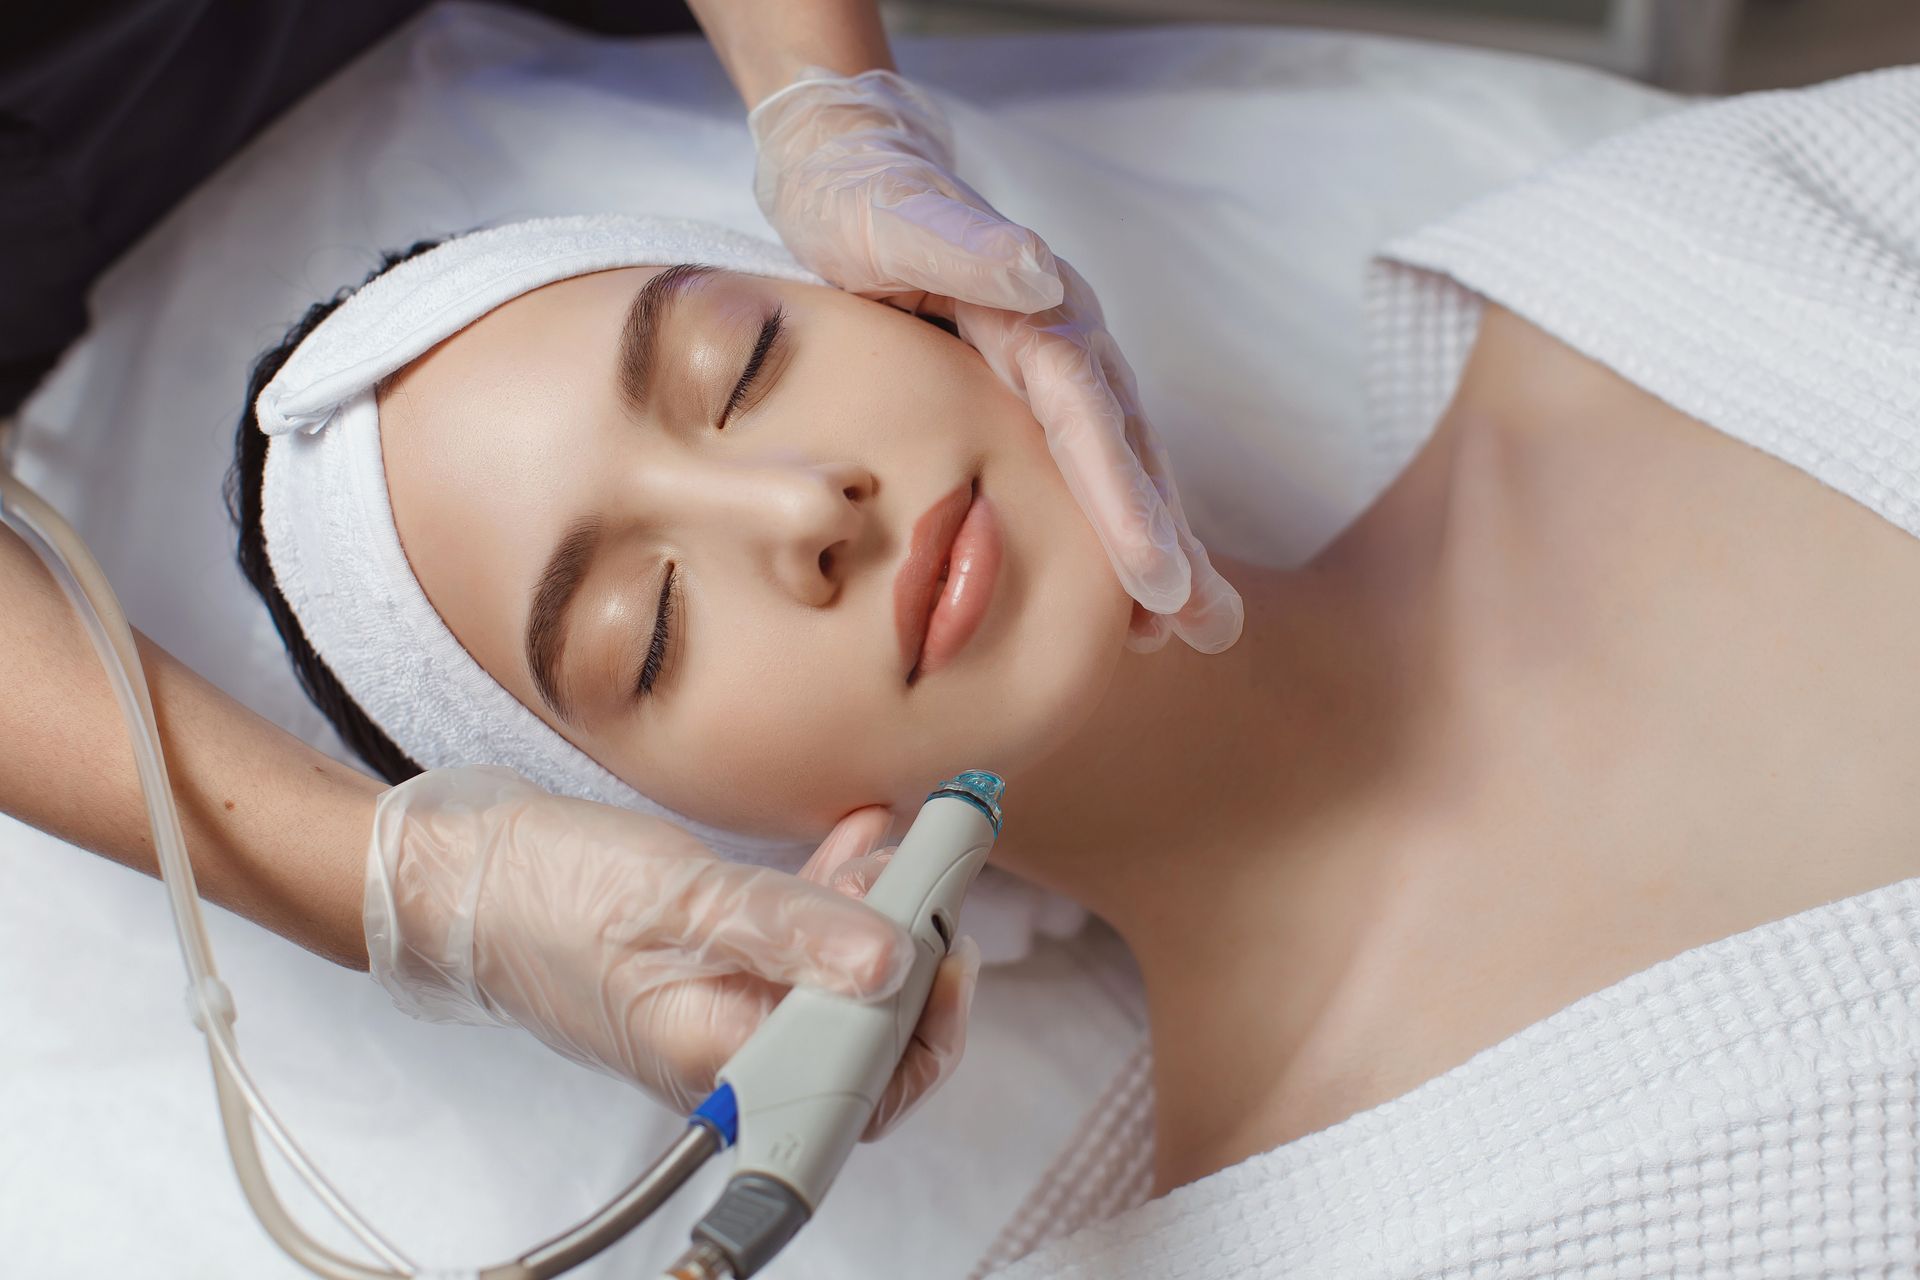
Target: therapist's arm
column 764, row 45
column 276, row 831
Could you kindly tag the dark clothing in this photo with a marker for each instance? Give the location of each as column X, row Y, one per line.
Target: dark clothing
column 112, row 110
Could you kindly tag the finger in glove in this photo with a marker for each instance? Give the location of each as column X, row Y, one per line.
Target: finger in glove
column 938, row 1041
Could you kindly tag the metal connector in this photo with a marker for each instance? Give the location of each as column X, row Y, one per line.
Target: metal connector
column 702, row 1262
column 753, row 1220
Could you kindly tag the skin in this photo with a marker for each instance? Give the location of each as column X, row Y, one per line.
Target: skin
column 1590, row 684
column 785, row 524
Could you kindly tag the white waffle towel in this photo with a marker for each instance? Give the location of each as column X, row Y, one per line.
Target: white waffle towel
column 1749, row 1108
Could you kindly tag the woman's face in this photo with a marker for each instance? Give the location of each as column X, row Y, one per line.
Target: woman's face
column 779, row 469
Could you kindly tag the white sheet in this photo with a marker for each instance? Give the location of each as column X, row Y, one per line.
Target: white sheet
column 1221, row 187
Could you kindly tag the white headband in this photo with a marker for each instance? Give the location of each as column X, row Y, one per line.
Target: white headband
column 330, row 534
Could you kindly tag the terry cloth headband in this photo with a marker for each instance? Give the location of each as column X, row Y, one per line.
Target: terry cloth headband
column 330, row 534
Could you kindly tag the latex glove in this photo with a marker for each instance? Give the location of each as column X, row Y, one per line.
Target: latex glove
column 856, row 174
column 619, row 940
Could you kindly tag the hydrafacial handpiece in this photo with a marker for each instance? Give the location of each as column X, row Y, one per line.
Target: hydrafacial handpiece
column 796, row 1097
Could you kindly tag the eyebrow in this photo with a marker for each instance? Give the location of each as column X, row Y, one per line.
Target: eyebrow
column 553, row 594
column 646, row 318
column 566, row 568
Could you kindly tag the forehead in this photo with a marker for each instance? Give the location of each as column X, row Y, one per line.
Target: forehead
column 483, row 439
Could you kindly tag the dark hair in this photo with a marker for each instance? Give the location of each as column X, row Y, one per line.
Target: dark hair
column 242, row 491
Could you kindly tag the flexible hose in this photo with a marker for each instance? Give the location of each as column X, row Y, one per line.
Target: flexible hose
column 209, row 1002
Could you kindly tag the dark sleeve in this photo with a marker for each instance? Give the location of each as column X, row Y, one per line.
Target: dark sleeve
column 112, row 110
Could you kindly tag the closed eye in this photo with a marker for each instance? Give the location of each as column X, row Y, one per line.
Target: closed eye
column 771, row 330
column 656, row 658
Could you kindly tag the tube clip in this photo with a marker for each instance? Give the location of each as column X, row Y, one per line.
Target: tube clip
column 209, row 996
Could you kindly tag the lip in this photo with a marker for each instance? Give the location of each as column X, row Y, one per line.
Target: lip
column 974, row 567
column 935, row 619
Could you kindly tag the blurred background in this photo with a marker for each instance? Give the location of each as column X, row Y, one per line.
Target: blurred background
column 1692, row 46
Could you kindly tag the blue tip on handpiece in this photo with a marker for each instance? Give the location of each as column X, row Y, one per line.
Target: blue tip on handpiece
column 720, row 1113
column 978, row 786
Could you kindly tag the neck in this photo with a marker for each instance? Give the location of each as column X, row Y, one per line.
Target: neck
column 1190, row 756
column 1238, row 816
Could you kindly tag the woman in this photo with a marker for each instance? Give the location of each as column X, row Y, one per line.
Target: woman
column 1557, row 709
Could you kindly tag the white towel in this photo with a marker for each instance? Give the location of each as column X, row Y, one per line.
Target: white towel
column 336, row 553
column 1750, row 1107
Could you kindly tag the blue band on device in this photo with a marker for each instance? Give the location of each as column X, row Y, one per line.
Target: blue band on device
column 719, row 1113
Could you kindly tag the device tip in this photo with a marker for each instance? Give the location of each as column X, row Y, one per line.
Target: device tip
column 979, row 786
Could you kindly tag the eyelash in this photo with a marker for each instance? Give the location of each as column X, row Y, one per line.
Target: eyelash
column 656, row 658
column 771, row 330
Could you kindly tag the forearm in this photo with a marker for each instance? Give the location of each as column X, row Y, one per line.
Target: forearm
column 276, row 831
column 764, row 43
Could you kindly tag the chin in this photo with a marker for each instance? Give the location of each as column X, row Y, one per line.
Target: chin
column 1055, row 673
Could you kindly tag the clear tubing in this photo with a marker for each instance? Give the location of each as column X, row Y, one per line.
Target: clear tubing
column 208, row 1000
column 210, row 1003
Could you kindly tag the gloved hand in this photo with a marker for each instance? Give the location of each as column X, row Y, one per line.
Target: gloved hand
column 622, row 942
column 856, row 174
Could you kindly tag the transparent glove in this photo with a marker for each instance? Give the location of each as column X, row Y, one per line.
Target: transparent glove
column 619, row 940
column 856, row 174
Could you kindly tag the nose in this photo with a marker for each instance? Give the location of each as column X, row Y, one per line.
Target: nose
column 803, row 525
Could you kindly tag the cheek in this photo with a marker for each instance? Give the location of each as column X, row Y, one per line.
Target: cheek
column 778, row 728
column 1066, row 641
column 1046, row 656
column 774, row 731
